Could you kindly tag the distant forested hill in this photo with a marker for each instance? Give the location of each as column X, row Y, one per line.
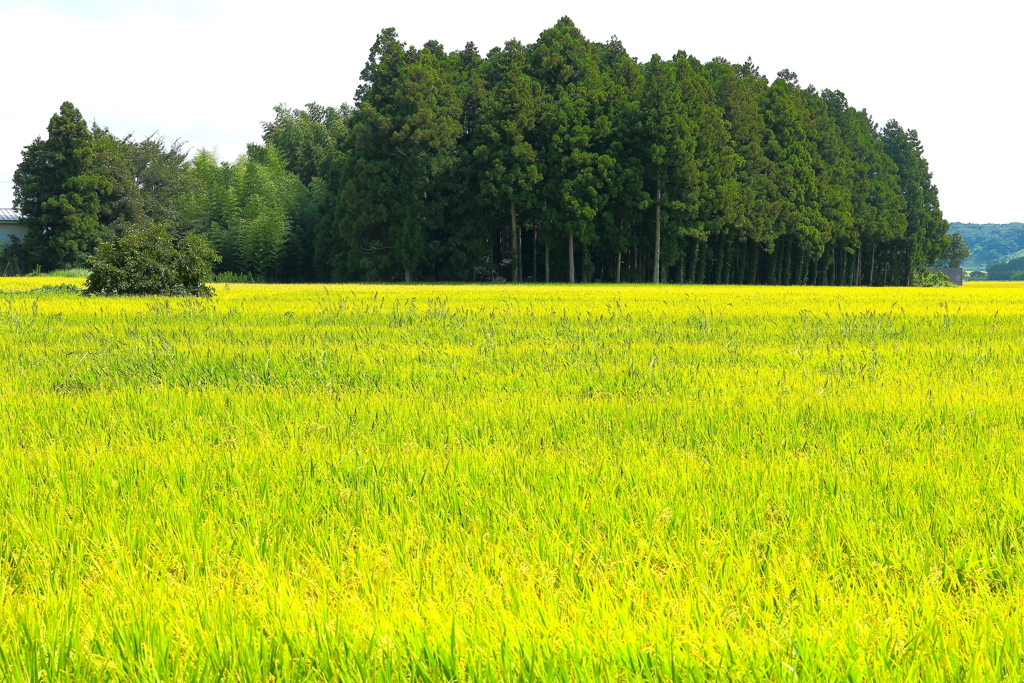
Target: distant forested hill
column 990, row 242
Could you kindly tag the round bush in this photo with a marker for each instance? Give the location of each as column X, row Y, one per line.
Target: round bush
column 145, row 259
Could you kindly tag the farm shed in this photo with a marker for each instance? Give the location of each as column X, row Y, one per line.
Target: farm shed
column 955, row 275
column 10, row 224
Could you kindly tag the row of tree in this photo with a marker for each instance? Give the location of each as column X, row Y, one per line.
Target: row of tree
column 561, row 160
column 82, row 186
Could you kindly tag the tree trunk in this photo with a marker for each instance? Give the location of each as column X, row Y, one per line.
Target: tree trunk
column 871, row 272
column 519, row 251
column 586, row 262
column 720, row 260
column 755, row 263
column 547, row 263
column 657, row 236
column 787, row 264
column 408, row 274
column 516, row 248
column 572, row 263
column 618, row 266
column 534, row 250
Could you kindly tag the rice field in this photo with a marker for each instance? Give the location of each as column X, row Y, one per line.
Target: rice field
column 512, row 483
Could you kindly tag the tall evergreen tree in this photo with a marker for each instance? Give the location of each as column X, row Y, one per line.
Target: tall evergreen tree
column 404, row 135
column 806, row 199
column 627, row 198
column 461, row 245
column 924, row 240
column 876, row 203
column 714, row 184
column 508, row 161
column 576, row 172
column 57, row 190
column 670, row 144
column 739, row 91
column 704, row 166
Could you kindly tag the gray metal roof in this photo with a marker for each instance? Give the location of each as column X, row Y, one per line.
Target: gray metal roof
column 9, row 215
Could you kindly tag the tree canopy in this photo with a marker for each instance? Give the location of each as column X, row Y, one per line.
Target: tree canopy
column 57, row 190
column 671, row 170
column 562, row 159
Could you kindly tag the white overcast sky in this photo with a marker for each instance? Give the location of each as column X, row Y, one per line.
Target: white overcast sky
column 209, row 71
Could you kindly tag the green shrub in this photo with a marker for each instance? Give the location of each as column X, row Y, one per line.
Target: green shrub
column 926, row 278
column 239, row 278
column 62, row 289
column 68, row 272
column 46, row 290
column 12, row 255
column 145, row 259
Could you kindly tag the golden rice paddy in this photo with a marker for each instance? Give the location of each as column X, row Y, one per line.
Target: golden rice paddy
column 512, row 483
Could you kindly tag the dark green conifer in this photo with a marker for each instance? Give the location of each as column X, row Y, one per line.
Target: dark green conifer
column 57, row 190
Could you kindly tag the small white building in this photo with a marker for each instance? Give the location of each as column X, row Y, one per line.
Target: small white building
column 11, row 225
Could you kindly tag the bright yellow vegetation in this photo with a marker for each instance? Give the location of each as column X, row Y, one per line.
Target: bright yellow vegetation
column 304, row 483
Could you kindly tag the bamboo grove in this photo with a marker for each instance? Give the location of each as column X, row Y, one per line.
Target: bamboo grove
column 563, row 160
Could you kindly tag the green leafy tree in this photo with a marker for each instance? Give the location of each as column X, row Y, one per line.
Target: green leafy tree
column 57, row 190
column 159, row 169
column 1011, row 270
column 308, row 140
column 212, row 204
column 146, row 178
column 247, row 210
column 121, row 199
column 923, row 277
column 956, row 252
column 311, row 143
column 262, row 224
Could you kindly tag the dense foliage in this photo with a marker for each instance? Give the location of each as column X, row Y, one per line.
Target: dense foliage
column 1011, row 270
column 956, row 252
column 57, row 188
column 672, row 171
column 563, row 159
column 144, row 258
column 926, row 278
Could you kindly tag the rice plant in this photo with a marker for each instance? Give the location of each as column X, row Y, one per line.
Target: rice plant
column 512, row 483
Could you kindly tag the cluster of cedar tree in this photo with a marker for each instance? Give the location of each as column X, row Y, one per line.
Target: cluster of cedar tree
column 563, row 160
